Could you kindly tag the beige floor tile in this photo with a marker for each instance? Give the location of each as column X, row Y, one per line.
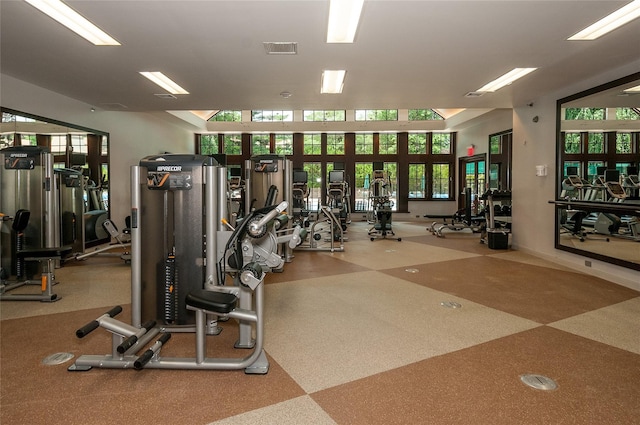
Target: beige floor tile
column 387, row 254
column 301, row 410
column 615, row 325
column 326, row 332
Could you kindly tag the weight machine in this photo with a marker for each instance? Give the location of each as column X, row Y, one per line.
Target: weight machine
column 31, row 245
column 189, row 270
column 379, row 196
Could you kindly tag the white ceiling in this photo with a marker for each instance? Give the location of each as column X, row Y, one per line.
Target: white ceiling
column 407, row 54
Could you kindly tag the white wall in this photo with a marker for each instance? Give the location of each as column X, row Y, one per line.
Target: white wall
column 132, row 135
column 533, row 216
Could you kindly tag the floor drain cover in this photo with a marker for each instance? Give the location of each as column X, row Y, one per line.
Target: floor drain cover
column 451, row 304
column 412, row 270
column 57, row 358
column 539, row 382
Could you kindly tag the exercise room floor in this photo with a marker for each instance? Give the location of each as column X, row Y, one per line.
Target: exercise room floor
column 358, row 337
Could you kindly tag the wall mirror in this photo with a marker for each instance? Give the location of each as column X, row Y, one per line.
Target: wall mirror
column 79, row 155
column 598, row 158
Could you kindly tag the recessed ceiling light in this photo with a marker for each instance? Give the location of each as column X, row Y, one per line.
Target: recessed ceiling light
column 332, row 81
column 165, row 82
column 610, row 22
column 74, row 21
column 344, row 16
column 285, row 94
column 635, row 89
column 506, row 79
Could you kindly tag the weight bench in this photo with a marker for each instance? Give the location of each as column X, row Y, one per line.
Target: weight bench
column 47, row 257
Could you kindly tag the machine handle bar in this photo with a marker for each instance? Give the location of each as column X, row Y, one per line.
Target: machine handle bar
column 94, row 324
column 129, row 342
column 148, row 355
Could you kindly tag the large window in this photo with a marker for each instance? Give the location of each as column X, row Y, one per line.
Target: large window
column 585, row 114
column 376, row 115
column 596, row 143
column 441, row 144
column 388, row 144
column 58, row 144
column 421, row 167
column 364, row 144
column 417, row 181
column 227, row 116
column 441, row 177
column 335, row 144
column 209, row 144
column 424, row 115
column 233, row 144
column 312, row 144
column 364, row 171
column 260, row 144
column 28, row 139
column 271, row 116
column 284, row 144
column 314, row 183
column 79, row 143
column 627, row 114
column 572, row 143
column 332, row 115
column 623, row 143
column 417, row 143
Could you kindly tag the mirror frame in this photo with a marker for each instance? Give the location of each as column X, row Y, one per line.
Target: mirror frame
column 597, row 206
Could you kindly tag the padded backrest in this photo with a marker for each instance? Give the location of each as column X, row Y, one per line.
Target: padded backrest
column 21, row 220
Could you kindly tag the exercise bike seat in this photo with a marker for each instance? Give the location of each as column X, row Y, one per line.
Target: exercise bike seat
column 216, row 302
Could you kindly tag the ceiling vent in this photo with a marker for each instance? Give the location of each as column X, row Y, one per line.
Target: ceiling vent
column 474, row 94
column 281, row 48
column 113, row 106
column 165, row 96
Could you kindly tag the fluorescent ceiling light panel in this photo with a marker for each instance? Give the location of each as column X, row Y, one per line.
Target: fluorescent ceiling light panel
column 332, row 81
column 344, row 16
column 165, row 82
column 635, row 89
column 74, row 21
column 506, row 79
column 610, row 22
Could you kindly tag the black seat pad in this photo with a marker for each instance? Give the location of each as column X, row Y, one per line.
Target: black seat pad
column 219, row 302
column 44, row 252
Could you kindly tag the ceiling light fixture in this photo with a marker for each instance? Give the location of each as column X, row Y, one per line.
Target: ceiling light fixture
column 506, row 79
column 635, row 89
column 332, row 81
column 165, row 82
column 610, row 22
column 74, row 21
column 344, row 16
